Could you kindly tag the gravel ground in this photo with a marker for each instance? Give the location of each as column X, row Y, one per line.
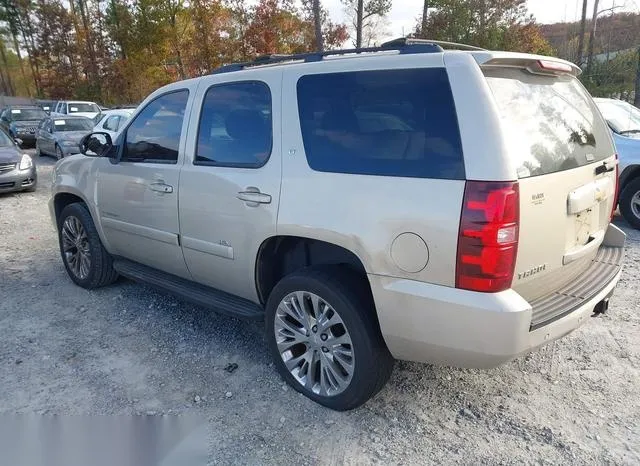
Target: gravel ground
column 127, row 349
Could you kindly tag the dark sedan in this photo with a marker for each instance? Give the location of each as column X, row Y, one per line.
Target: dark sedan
column 21, row 122
column 60, row 135
column 17, row 170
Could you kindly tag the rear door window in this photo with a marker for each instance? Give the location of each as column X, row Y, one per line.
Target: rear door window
column 381, row 122
column 550, row 123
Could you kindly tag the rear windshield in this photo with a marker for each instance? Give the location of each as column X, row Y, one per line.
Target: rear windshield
column 381, row 122
column 75, row 124
column 551, row 124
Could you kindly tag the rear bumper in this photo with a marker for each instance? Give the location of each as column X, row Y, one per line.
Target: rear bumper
column 443, row 325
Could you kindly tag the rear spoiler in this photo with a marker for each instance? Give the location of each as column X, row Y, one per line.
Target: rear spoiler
column 536, row 64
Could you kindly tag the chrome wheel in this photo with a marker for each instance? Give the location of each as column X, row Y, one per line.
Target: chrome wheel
column 75, row 247
column 635, row 204
column 314, row 343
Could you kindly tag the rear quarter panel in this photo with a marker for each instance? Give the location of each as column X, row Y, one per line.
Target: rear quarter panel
column 365, row 213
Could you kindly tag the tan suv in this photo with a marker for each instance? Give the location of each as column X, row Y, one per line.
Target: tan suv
column 404, row 202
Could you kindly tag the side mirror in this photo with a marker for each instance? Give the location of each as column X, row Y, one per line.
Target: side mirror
column 49, row 130
column 96, row 144
column 18, row 141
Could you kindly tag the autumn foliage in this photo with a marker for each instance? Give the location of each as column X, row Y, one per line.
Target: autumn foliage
column 118, row 51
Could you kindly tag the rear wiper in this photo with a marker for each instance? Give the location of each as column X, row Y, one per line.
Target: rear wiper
column 630, row 131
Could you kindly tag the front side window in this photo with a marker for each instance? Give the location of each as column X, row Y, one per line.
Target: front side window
column 154, row 136
column 381, row 122
column 235, row 126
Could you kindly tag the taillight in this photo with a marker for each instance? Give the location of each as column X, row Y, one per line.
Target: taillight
column 615, row 192
column 488, row 236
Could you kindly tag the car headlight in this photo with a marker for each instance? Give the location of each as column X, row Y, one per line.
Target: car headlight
column 69, row 143
column 25, row 162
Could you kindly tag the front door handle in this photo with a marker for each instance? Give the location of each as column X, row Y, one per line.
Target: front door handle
column 253, row 197
column 160, row 187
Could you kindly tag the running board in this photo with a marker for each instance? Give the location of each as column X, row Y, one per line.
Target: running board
column 218, row 301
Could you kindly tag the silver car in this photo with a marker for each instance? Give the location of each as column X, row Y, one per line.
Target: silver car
column 624, row 121
column 60, row 136
column 402, row 202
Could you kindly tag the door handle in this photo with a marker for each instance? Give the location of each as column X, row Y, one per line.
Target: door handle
column 160, row 187
column 253, row 197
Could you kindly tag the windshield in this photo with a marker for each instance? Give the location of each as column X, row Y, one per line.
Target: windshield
column 26, row 114
column 72, row 125
column 621, row 116
column 75, row 107
column 550, row 124
column 5, row 140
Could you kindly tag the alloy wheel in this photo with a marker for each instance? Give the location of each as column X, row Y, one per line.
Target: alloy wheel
column 635, row 204
column 75, row 247
column 314, row 343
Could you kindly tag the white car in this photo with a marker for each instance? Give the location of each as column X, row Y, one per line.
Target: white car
column 111, row 121
column 77, row 108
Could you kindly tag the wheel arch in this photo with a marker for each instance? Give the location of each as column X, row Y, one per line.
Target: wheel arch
column 281, row 255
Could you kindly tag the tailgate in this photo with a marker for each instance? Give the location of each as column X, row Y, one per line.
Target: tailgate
column 565, row 160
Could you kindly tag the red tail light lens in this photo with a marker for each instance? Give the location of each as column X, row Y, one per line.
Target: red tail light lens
column 615, row 193
column 488, row 236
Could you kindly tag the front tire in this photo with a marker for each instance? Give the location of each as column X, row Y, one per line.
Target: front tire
column 88, row 263
column 59, row 153
column 630, row 203
column 38, row 151
column 324, row 337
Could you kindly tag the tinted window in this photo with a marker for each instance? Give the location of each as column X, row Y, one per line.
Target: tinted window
column 391, row 122
column 154, row 136
column 550, row 123
column 235, row 126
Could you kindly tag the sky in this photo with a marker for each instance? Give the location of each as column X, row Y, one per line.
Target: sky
column 404, row 13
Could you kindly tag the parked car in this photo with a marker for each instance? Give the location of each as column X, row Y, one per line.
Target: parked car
column 110, row 121
column 624, row 121
column 17, row 170
column 60, row 136
column 406, row 202
column 46, row 105
column 21, row 122
column 76, row 107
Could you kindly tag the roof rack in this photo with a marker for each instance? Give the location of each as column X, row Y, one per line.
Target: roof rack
column 408, row 41
column 403, row 46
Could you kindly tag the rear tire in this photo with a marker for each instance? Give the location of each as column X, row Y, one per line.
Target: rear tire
column 340, row 293
column 630, row 203
column 88, row 263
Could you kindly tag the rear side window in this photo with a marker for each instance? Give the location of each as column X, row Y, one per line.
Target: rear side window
column 381, row 122
column 550, row 123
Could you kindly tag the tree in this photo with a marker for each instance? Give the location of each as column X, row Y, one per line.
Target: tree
column 497, row 25
column 636, row 100
column 317, row 25
column 364, row 13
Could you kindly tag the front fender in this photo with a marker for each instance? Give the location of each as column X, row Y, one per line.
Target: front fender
column 77, row 176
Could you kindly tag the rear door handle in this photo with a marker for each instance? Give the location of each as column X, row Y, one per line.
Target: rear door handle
column 253, row 197
column 160, row 187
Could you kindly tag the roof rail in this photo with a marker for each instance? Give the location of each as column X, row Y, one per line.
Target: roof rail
column 407, row 41
column 402, row 47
